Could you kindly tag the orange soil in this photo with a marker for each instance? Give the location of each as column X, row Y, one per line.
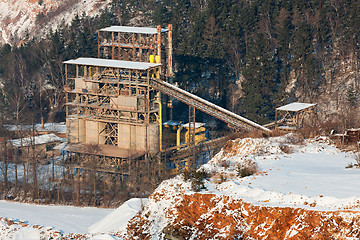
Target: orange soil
column 209, row 216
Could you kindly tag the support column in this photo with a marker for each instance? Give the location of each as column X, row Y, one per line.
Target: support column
column 191, row 125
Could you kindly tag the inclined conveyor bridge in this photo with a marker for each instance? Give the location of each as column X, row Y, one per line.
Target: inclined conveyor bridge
column 207, row 107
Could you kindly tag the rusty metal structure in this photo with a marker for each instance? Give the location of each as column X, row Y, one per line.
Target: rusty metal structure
column 114, row 107
column 112, row 112
column 140, row 44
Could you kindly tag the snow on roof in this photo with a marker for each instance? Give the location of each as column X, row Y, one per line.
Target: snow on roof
column 197, row 125
column 127, row 29
column 112, row 63
column 171, row 123
column 296, row 106
column 49, row 127
column 37, row 140
column 61, row 146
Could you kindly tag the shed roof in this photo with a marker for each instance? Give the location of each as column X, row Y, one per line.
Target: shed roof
column 197, row 125
column 128, row 29
column 112, row 63
column 37, row 140
column 296, row 106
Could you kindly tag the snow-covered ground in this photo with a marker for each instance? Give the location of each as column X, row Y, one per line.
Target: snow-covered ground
column 290, row 173
column 297, row 173
column 117, row 220
column 97, row 223
column 64, row 218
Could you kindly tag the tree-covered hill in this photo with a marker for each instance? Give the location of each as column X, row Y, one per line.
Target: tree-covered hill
column 248, row 56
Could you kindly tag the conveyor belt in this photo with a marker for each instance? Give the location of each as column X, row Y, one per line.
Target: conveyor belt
column 206, row 106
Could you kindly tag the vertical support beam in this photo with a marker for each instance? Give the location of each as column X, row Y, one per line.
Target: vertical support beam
column 140, row 49
column 191, row 125
column 77, row 72
column 133, row 47
column 160, row 120
column 170, row 52
column 137, row 83
column 85, row 71
column 154, row 45
column 276, row 111
column 112, row 46
column 119, row 48
column 147, row 105
column 67, row 94
column 130, row 73
column 98, row 39
column 118, row 80
column 159, row 41
column 297, row 120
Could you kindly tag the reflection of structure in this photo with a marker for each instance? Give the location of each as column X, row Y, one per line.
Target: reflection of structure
column 292, row 115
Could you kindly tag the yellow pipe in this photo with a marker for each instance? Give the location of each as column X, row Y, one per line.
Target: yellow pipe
column 152, row 58
column 178, row 135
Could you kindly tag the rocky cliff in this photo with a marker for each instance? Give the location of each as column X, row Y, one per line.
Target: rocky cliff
column 21, row 19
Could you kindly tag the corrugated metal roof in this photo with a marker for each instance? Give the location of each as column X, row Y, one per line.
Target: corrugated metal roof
column 113, row 63
column 127, row 29
column 296, row 106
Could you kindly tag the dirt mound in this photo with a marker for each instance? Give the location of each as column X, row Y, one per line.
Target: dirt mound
column 209, row 216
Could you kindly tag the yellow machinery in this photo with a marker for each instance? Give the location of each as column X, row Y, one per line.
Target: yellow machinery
column 199, row 136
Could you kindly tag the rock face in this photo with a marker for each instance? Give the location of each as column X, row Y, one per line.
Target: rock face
column 209, row 216
column 21, row 19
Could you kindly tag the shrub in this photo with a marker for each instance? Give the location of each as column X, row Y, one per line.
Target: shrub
column 245, row 170
column 286, row 148
column 357, row 158
column 350, row 165
column 196, row 178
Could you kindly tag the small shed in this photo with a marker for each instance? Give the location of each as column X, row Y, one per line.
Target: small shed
column 41, row 146
column 291, row 116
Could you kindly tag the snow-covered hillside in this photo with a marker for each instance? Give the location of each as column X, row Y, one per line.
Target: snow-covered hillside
column 300, row 186
column 20, row 19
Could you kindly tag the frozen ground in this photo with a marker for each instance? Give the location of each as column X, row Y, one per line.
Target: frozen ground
column 308, row 174
column 64, row 218
column 290, row 173
column 97, row 223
